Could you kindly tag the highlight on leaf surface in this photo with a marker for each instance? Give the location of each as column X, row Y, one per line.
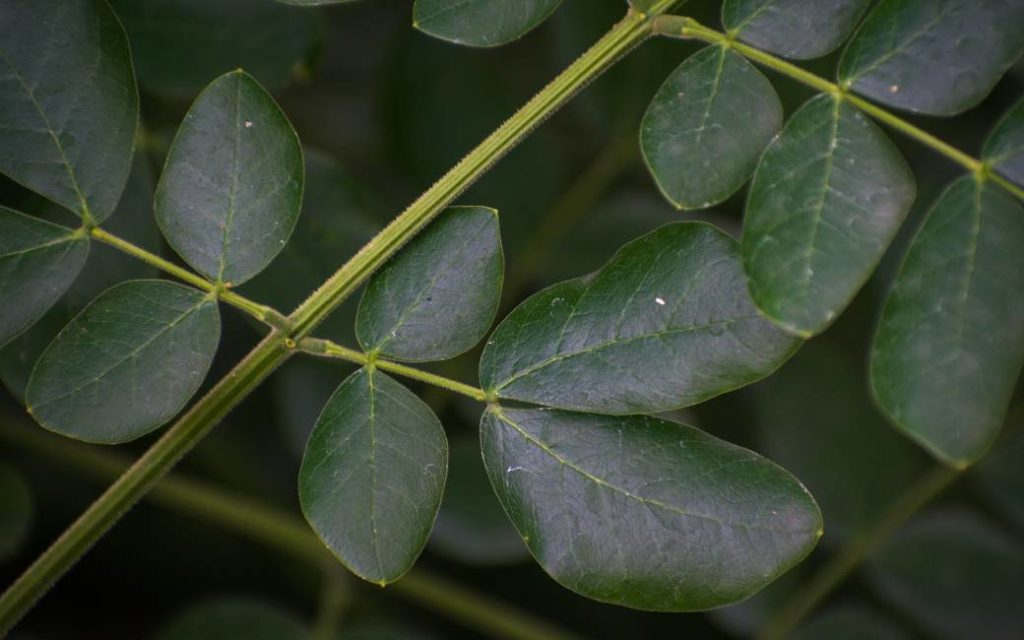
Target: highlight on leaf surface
column 706, row 127
column 665, row 324
column 950, row 342
column 38, row 263
column 643, row 512
column 826, row 201
column 373, row 475
column 227, row 617
column 68, row 102
column 798, row 29
column 480, row 23
column 231, row 190
column 127, row 363
column 438, row 296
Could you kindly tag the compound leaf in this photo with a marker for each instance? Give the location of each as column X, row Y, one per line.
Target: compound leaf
column 667, row 323
column 827, row 199
column 706, row 127
column 127, row 363
column 15, row 511
column 950, row 343
column 234, row 617
column 231, row 189
column 373, row 475
column 68, row 102
column 38, row 263
column 480, row 23
column 644, row 512
column 938, row 57
column 438, row 296
column 800, row 29
column 955, row 574
column 1004, row 148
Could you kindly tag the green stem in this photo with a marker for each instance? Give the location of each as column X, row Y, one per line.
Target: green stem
column 278, row 345
column 688, row 28
column 261, row 312
column 838, row 568
column 282, row 531
column 329, row 349
column 334, row 596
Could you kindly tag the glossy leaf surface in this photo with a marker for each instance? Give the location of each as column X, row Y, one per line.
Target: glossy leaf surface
column 234, row 617
column 956, row 575
column 480, row 23
column 68, row 103
column 127, row 363
column 231, row 189
column 15, row 511
column 373, row 475
column 793, row 28
column 644, row 512
column 437, row 297
column 706, row 127
column 938, row 57
column 1004, row 148
column 38, row 263
column 827, row 199
column 666, row 323
column 950, row 343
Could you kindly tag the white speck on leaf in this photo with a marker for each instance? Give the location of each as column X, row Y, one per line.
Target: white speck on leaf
column 248, row 123
column 660, row 301
column 894, row 88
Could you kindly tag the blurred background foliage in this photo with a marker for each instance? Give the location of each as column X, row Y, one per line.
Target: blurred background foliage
column 384, row 110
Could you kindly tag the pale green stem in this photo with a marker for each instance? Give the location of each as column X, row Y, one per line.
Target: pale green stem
column 334, row 596
column 282, row 531
column 688, row 28
column 278, row 346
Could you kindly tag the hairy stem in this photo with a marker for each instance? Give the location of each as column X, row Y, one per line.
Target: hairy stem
column 284, row 532
column 688, row 28
column 278, row 346
column 839, row 567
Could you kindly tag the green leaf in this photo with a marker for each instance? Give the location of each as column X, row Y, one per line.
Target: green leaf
column 15, row 511
column 38, row 262
column 480, row 23
column 234, row 617
column 373, row 475
column 950, row 344
column 1004, row 147
column 800, row 29
column 644, row 512
column 438, row 296
column 231, row 190
column 179, row 45
column 955, row 575
column 836, row 441
column 127, row 363
column 938, row 57
column 850, row 622
column 471, row 526
column 706, row 127
column 68, row 102
column 665, row 324
column 1001, row 477
column 827, row 199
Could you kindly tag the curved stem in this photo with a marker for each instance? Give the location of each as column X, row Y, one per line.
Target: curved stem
column 328, row 349
column 688, row 28
column 839, row 567
column 279, row 344
column 284, row 532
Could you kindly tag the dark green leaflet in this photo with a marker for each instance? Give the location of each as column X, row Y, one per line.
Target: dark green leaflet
column 438, row 296
column 644, row 512
column 950, row 343
column 15, row 511
column 938, row 57
column 68, row 103
column 793, row 28
column 1001, row 476
column 38, row 262
column 373, row 475
column 827, row 199
column 1004, row 148
column 231, row 617
column 850, row 622
column 127, row 363
column 480, row 23
column 665, row 324
column 231, row 190
column 706, row 127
